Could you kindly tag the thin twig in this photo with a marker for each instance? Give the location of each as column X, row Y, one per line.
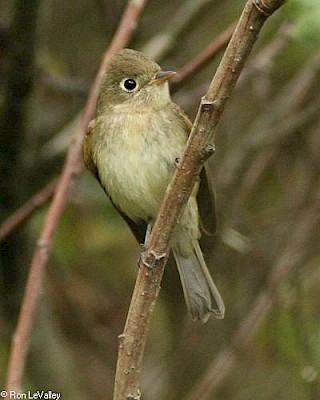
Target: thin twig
column 20, row 215
column 200, row 146
column 252, row 176
column 160, row 44
column 61, row 141
column 266, row 57
column 284, row 115
column 205, row 55
column 71, row 169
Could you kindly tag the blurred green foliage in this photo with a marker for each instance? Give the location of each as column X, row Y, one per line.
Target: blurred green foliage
column 306, row 14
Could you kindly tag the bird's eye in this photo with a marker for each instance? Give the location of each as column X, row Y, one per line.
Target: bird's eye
column 129, row 85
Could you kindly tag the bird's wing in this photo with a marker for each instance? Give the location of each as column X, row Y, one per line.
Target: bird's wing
column 138, row 229
column 207, row 201
column 206, row 194
column 86, row 150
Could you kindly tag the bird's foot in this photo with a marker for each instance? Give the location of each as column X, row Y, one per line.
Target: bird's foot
column 155, row 257
column 177, row 162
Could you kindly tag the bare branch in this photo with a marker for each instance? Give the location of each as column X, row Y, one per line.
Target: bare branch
column 203, row 57
column 72, row 167
column 264, row 60
column 61, row 141
column 200, row 146
column 19, row 216
column 159, row 45
column 275, row 126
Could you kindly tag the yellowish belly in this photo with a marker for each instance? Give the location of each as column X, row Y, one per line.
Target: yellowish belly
column 135, row 166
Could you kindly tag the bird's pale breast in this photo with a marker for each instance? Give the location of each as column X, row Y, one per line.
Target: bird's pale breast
column 136, row 160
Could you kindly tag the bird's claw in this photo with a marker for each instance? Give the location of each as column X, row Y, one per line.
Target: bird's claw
column 156, row 257
column 177, row 162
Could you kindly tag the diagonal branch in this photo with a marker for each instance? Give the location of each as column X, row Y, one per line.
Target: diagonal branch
column 44, row 194
column 22, row 213
column 205, row 55
column 72, row 167
column 163, row 42
column 199, row 148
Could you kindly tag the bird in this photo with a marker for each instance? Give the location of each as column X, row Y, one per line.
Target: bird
column 132, row 148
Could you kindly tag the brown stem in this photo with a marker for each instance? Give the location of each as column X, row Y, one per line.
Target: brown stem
column 20, row 215
column 162, row 43
column 203, row 57
column 71, row 169
column 132, row 341
column 183, row 73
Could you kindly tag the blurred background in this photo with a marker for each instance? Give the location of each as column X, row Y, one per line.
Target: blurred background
column 265, row 256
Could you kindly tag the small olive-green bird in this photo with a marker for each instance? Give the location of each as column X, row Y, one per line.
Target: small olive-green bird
column 132, row 147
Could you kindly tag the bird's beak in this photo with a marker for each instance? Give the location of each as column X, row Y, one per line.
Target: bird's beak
column 161, row 77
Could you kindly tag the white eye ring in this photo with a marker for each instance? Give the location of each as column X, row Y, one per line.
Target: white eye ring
column 129, row 85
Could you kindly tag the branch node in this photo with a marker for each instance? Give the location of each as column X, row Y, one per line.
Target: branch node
column 142, row 262
column 208, row 151
column 136, row 396
column 44, row 247
column 207, row 106
column 121, row 337
column 264, row 8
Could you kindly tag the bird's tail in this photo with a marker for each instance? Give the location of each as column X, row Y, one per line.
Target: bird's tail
column 200, row 292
